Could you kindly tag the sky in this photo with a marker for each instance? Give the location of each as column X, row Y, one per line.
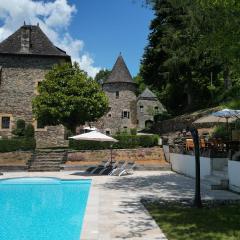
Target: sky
column 92, row 32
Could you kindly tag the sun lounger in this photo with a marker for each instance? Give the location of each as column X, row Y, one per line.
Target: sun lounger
column 103, row 164
column 110, row 168
column 97, row 170
column 128, row 169
column 119, row 168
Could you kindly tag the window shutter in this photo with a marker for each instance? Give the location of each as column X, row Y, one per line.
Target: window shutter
column 122, row 114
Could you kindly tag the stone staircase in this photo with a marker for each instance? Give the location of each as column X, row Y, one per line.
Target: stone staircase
column 47, row 160
column 218, row 180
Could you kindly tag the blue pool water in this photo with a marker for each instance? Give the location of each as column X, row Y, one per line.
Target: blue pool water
column 42, row 208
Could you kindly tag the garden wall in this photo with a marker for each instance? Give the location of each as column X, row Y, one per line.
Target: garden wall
column 15, row 160
column 181, row 122
column 233, row 174
column 145, row 158
column 185, row 164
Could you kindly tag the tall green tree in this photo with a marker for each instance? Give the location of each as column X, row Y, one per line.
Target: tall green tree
column 69, row 97
column 102, row 76
column 186, row 55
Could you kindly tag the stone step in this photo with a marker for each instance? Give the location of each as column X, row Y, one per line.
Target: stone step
column 44, row 170
column 47, row 160
column 217, row 181
column 45, row 164
column 220, row 174
column 46, row 156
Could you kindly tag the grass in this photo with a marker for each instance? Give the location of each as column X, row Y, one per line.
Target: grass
column 185, row 223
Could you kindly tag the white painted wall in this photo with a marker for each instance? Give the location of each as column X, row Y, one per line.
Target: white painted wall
column 234, row 175
column 185, row 164
column 166, row 152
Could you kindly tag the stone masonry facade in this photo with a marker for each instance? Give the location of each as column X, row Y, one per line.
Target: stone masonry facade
column 126, row 110
column 20, row 76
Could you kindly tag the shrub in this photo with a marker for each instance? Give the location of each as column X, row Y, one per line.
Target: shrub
column 162, row 116
column 29, row 131
column 125, row 141
column 133, row 131
column 148, row 140
column 20, row 128
column 16, row 144
column 220, row 132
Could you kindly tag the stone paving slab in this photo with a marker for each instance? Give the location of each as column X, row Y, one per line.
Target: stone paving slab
column 114, row 210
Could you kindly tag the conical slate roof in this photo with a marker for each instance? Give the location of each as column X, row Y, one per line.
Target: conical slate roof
column 147, row 94
column 39, row 43
column 120, row 72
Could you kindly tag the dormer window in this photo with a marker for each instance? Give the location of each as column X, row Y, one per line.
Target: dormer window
column 117, row 94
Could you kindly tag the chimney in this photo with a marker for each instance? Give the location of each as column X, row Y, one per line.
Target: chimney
column 25, row 39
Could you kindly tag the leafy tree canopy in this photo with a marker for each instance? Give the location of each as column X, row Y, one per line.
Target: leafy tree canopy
column 102, row 76
column 69, row 97
column 193, row 46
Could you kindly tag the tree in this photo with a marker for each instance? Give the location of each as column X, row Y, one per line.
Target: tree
column 140, row 84
column 189, row 52
column 102, row 76
column 20, row 128
column 69, row 97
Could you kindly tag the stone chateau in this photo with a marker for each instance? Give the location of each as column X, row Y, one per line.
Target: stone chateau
column 126, row 109
column 25, row 58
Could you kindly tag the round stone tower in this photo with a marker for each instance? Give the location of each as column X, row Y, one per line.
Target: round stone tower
column 121, row 91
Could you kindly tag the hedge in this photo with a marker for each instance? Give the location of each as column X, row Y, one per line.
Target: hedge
column 16, row 144
column 125, row 141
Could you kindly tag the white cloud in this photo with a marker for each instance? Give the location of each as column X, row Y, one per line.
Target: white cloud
column 54, row 18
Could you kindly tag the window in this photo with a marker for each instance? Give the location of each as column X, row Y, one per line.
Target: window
column 40, row 125
column 156, row 109
column 125, row 114
column 141, row 109
column 108, row 132
column 109, row 115
column 117, row 94
column 5, row 122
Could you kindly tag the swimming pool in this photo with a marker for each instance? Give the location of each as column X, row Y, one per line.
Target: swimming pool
column 42, row 208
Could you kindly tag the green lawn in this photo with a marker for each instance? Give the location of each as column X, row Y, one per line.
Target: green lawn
column 185, row 223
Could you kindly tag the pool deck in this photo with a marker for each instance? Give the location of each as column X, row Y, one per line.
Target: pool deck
column 114, row 210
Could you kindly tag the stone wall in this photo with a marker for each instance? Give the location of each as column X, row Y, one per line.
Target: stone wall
column 18, row 86
column 181, row 122
column 126, row 101
column 15, row 158
column 144, row 157
column 148, row 111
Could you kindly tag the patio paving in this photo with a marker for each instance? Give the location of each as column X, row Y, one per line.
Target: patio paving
column 114, row 210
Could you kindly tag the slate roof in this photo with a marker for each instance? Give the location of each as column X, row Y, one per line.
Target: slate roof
column 39, row 44
column 147, row 94
column 120, row 72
